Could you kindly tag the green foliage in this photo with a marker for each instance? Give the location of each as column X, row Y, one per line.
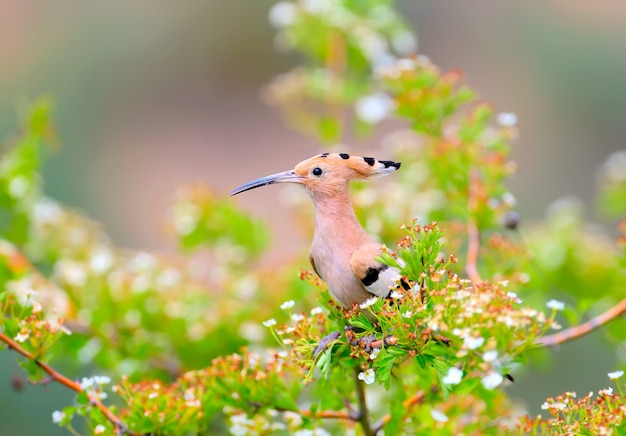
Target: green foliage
column 191, row 353
column 203, row 219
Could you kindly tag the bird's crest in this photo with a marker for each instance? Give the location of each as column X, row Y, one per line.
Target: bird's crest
column 362, row 167
column 326, row 174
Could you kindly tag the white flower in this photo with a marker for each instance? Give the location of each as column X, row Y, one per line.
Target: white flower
column 506, row 119
column 490, row 356
column 86, row 383
column 367, row 303
column 21, row 337
column 615, row 167
column 316, row 310
column 473, row 343
column 101, row 379
column 99, row 429
column 454, row 376
column 373, row 108
column 287, row 304
column 374, row 353
column 46, row 212
column 615, row 375
column 438, row 416
column 545, row 406
column 101, row 260
column 309, row 432
column 555, row 305
column 36, row 307
column 407, row 314
column 297, row 317
column 607, row 391
column 404, row 43
column 396, row 295
column 513, row 296
column 492, row 380
column 283, row 14
column 269, row 322
column 368, row 376
column 18, row 187
column 153, row 395
column 57, row 416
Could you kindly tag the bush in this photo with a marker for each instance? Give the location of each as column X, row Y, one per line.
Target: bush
column 432, row 359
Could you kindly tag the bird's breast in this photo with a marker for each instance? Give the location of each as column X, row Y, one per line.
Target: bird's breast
column 332, row 264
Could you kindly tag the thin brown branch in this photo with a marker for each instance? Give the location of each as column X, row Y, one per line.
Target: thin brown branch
column 473, row 246
column 582, row 329
column 406, row 404
column 362, row 415
column 473, row 235
column 327, row 414
column 117, row 422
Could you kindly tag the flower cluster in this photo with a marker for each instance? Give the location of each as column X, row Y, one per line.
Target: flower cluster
column 603, row 413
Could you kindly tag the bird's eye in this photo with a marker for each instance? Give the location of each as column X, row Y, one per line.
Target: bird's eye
column 317, row 171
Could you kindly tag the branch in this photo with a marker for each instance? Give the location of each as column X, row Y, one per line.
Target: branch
column 117, row 422
column 473, row 235
column 582, row 329
column 473, row 245
column 406, row 404
column 362, row 416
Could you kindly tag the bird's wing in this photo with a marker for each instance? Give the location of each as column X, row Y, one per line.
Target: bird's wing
column 377, row 278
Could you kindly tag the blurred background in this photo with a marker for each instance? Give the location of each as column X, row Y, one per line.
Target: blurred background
column 150, row 95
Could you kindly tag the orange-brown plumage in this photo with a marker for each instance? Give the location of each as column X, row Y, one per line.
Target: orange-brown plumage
column 342, row 253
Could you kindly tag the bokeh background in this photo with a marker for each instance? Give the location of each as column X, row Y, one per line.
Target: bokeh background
column 150, row 95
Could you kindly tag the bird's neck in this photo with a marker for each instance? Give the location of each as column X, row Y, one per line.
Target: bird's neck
column 335, row 218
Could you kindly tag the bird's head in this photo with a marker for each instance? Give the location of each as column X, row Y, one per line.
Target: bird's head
column 327, row 174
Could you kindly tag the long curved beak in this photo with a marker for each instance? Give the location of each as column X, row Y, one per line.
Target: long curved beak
column 284, row 177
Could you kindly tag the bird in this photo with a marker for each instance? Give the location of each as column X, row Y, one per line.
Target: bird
column 342, row 253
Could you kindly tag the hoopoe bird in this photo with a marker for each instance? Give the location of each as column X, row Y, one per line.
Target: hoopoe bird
column 342, row 253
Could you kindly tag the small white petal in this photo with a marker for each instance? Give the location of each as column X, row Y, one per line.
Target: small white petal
column 438, row 416
column 555, row 305
column 615, row 375
column 473, row 343
column 57, row 416
column 269, row 322
column 316, row 311
column 373, row 108
column 283, row 14
column 368, row 376
column 367, row 303
column 396, row 295
column 507, row 119
column 490, row 356
column 492, row 381
column 288, row 304
column 454, row 376
column 374, row 353
column 297, row 317
column 607, row 391
column 21, row 337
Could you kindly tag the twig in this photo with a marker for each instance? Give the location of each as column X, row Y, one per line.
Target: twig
column 362, row 415
column 473, row 235
column 327, row 414
column 406, row 404
column 117, row 422
column 473, row 246
column 582, row 329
